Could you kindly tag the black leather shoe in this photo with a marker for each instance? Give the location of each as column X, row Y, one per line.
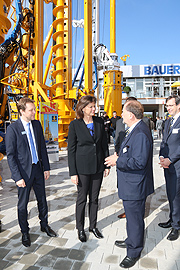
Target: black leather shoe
column 26, row 240
column 165, row 225
column 82, row 236
column 120, row 244
column 174, row 234
column 129, row 262
column 96, row 232
column 49, row 231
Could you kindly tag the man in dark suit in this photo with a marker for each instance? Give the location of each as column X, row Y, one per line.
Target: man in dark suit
column 113, row 120
column 29, row 165
column 170, row 161
column 120, row 134
column 121, row 128
column 135, row 178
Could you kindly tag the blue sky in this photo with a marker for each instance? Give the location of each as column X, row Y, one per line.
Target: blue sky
column 146, row 30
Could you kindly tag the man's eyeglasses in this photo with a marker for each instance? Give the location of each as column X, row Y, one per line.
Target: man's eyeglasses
column 170, row 106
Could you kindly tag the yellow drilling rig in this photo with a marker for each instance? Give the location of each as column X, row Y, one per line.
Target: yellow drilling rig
column 21, row 60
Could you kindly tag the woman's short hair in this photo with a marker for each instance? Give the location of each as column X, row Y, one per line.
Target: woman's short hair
column 82, row 103
column 136, row 108
column 22, row 104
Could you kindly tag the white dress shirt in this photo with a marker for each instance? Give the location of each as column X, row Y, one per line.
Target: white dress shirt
column 32, row 132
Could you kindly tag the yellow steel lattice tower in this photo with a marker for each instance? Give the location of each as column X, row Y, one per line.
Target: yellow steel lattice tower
column 65, row 112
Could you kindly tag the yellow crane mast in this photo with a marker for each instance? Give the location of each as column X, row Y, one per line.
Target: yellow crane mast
column 113, row 80
column 21, row 68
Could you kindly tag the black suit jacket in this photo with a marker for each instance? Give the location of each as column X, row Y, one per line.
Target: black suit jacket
column 86, row 154
column 18, row 150
column 120, row 134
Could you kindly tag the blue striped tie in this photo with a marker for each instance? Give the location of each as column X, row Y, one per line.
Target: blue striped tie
column 34, row 155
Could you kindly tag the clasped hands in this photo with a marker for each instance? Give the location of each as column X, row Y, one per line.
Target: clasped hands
column 164, row 162
column 75, row 180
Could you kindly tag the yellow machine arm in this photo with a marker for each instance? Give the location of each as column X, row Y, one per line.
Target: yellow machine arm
column 124, row 57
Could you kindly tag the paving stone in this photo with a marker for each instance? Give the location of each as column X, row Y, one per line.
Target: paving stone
column 46, row 260
column 60, row 206
column 69, row 227
column 14, row 244
column 13, row 266
column 111, row 259
column 58, row 242
column 59, row 252
column 167, row 265
column 95, row 265
column 3, row 264
column 43, row 239
column 30, row 249
column 48, row 253
column 178, row 264
column 15, row 236
column 67, row 219
column 4, row 252
column 81, row 266
column 63, row 264
column 33, row 237
column 149, row 263
column 78, row 255
column 29, row 259
column 14, row 256
column 5, row 233
column 4, row 242
column 31, row 267
column 44, row 249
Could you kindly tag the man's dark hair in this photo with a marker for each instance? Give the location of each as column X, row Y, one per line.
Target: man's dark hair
column 177, row 99
column 136, row 108
column 130, row 98
column 82, row 103
column 22, row 104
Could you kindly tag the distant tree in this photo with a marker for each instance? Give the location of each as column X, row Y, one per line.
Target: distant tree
column 127, row 89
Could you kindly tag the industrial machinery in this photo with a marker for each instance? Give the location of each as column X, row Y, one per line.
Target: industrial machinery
column 124, row 57
column 21, row 71
column 22, row 60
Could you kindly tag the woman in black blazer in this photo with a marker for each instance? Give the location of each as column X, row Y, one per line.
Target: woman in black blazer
column 87, row 150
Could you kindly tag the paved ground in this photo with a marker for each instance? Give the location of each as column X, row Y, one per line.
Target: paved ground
column 66, row 252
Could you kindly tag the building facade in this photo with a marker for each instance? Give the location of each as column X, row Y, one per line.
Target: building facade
column 150, row 84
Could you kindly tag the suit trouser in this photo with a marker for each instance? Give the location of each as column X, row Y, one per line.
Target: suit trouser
column 135, row 226
column 88, row 184
column 173, row 194
column 37, row 182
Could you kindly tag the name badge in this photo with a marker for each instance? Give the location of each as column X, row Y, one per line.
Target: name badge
column 124, row 150
column 23, row 132
column 175, row 130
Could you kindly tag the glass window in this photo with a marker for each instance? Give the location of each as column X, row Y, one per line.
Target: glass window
column 166, row 91
column 148, row 80
column 139, row 85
